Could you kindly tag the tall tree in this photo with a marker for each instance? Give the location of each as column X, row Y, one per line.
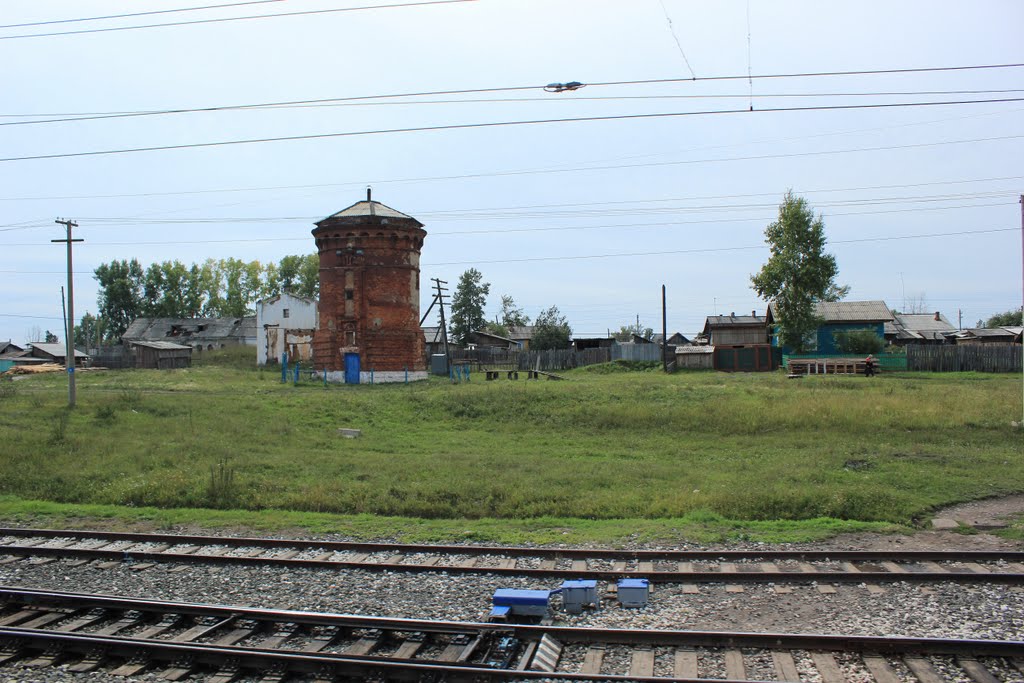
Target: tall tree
column 1006, row 319
column 798, row 273
column 550, row 331
column 88, row 331
column 512, row 315
column 120, row 294
column 300, row 275
column 626, row 332
column 468, row 305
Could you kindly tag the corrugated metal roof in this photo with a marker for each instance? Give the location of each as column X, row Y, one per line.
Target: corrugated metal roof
column 847, row 311
column 919, row 326
column 734, row 320
column 694, row 350
column 158, row 329
column 371, row 208
column 161, row 345
column 56, row 350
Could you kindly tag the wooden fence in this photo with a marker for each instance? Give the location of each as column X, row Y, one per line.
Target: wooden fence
column 548, row 361
column 965, row 357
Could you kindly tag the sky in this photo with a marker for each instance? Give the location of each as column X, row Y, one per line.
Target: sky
column 692, row 122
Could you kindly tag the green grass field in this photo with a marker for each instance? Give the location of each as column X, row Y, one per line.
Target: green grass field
column 606, row 455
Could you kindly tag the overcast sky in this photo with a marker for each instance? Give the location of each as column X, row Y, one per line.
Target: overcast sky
column 920, row 203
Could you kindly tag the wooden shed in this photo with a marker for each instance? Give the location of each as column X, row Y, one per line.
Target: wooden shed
column 161, row 355
column 695, row 357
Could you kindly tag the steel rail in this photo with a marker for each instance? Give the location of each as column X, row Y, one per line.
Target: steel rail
column 602, row 574
column 520, row 551
column 654, row 575
column 315, row 663
column 565, row 634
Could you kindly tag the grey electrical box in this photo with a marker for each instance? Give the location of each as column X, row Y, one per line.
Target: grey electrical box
column 578, row 594
column 439, row 364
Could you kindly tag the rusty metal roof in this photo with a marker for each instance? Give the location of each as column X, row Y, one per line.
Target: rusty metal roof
column 369, row 208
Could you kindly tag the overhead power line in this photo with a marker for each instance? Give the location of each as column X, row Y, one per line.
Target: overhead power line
column 478, row 91
column 668, row 252
column 498, row 124
column 137, row 14
column 715, row 249
column 494, row 231
column 226, row 19
column 73, row 117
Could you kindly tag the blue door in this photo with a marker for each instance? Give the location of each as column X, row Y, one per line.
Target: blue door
column 351, row 368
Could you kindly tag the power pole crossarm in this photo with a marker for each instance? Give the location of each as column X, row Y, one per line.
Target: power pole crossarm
column 69, row 328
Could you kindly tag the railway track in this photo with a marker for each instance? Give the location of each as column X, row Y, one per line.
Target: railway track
column 130, row 637
column 658, row 566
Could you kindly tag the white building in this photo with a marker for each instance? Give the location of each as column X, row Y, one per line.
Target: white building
column 285, row 324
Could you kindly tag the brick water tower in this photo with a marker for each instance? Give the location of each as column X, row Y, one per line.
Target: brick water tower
column 369, row 305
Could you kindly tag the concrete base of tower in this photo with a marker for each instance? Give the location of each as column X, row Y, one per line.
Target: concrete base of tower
column 379, row 377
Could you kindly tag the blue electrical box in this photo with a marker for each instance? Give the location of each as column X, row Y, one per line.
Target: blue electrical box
column 577, row 594
column 529, row 603
column 632, row 592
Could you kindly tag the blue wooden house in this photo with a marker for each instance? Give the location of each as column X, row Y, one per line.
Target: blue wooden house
column 836, row 316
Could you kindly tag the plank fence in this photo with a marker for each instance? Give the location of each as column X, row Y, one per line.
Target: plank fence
column 965, row 357
column 553, row 360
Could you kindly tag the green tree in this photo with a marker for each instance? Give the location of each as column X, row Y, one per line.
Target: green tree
column 88, row 331
column 858, row 341
column 512, row 315
column 626, row 332
column 468, row 305
column 798, row 273
column 51, row 338
column 1005, row 319
column 120, row 294
column 300, row 275
column 309, row 276
column 551, row 331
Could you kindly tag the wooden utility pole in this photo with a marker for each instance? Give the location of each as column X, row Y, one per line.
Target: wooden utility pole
column 664, row 331
column 440, row 297
column 69, row 328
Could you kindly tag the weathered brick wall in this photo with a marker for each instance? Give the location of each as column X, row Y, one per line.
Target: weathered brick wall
column 369, row 293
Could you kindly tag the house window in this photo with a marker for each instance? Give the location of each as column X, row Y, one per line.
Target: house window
column 351, row 337
column 285, row 313
column 349, row 295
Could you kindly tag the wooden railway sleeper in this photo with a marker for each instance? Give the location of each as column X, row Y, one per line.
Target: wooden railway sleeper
column 12, row 649
column 133, row 664
column 228, row 671
column 91, row 661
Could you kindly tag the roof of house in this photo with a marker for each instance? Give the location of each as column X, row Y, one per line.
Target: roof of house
column 718, row 321
column 161, row 345
column 8, row 346
column 990, row 332
column 369, row 208
column 56, row 350
column 491, row 335
column 845, row 312
column 520, row 332
column 931, row 326
column 278, row 297
column 432, row 334
column 190, row 328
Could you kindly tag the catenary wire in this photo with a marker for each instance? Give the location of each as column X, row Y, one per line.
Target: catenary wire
column 520, row 88
column 73, row 118
column 666, row 252
column 498, row 124
column 137, row 14
column 220, row 20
